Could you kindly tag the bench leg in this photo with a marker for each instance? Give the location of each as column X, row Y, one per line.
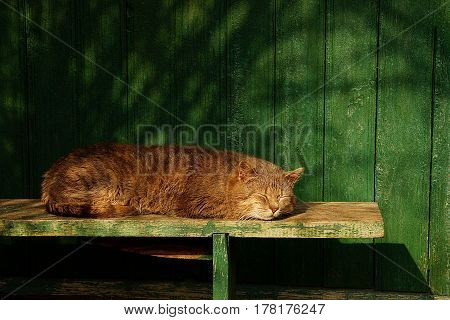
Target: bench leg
column 223, row 280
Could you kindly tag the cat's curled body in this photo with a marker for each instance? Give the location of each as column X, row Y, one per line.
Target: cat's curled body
column 110, row 180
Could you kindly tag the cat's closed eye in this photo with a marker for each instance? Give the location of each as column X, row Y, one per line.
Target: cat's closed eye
column 262, row 196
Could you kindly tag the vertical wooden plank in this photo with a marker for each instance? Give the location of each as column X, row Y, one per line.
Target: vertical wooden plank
column 102, row 75
column 350, row 108
column 222, row 269
column 151, row 76
column 299, row 121
column 251, row 76
column 52, row 95
column 13, row 108
column 403, row 144
column 186, row 60
column 13, row 121
column 200, row 67
column 250, row 113
column 439, row 275
column 52, row 82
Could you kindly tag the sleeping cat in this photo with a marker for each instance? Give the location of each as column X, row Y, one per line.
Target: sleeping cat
column 111, row 180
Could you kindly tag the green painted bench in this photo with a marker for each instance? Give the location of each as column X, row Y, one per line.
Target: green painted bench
column 27, row 217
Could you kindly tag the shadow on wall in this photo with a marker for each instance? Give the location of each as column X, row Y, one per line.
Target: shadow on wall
column 396, row 257
column 246, row 62
column 185, row 62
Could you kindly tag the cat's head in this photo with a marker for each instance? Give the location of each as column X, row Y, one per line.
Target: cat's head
column 264, row 191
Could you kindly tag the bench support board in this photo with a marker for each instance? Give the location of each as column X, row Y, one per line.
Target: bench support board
column 223, row 271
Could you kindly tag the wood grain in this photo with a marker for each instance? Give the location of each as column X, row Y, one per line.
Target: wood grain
column 350, row 109
column 439, row 275
column 250, row 110
column 102, row 72
column 200, row 69
column 52, row 71
column 222, row 274
column 13, row 103
column 403, row 142
column 13, row 109
column 151, row 53
column 299, row 123
column 312, row 220
column 52, row 79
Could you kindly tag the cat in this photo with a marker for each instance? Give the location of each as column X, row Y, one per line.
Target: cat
column 113, row 180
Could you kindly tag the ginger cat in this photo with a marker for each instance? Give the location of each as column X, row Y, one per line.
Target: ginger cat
column 111, row 180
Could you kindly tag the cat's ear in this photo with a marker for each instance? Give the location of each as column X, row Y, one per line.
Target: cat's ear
column 245, row 171
column 294, row 175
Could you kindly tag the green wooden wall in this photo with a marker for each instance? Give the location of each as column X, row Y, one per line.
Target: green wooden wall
column 362, row 86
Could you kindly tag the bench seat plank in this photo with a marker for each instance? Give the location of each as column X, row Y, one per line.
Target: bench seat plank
column 27, row 217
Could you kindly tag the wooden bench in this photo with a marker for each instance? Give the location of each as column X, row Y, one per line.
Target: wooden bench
column 27, row 217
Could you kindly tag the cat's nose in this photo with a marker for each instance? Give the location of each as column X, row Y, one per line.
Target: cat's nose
column 274, row 209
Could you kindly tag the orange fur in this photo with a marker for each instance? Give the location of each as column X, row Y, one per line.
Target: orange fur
column 109, row 180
